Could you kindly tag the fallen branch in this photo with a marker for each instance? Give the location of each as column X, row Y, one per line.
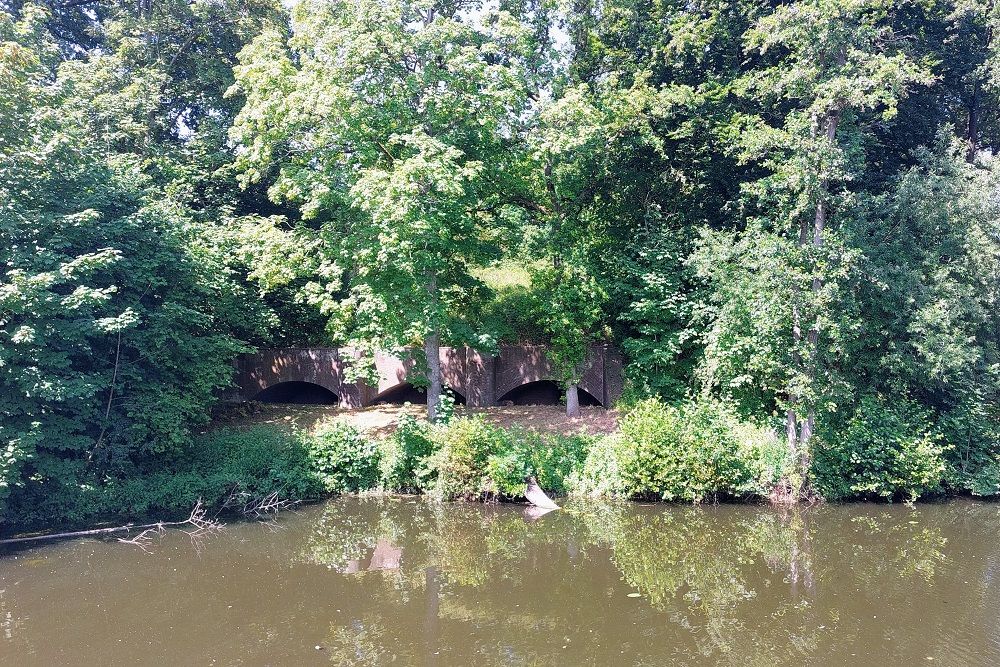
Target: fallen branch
column 258, row 508
column 267, row 506
column 198, row 518
column 143, row 540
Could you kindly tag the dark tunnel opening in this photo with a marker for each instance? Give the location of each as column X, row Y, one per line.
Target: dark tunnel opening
column 544, row 392
column 407, row 393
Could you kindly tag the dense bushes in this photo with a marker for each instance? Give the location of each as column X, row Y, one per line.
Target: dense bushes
column 883, row 451
column 119, row 313
column 225, row 469
column 692, row 452
column 696, row 451
column 343, row 459
column 405, row 457
column 471, row 459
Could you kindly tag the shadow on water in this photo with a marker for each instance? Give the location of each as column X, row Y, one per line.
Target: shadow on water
column 401, row 580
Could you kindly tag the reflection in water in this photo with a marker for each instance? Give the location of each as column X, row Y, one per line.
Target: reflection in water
column 403, row 581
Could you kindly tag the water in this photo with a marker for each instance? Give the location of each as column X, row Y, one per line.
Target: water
column 403, row 581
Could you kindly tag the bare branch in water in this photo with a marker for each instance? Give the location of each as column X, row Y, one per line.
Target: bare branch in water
column 267, row 506
column 198, row 518
column 263, row 508
column 144, row 539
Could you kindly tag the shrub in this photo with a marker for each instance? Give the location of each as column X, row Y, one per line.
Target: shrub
column 404, row 462
column 344, row 459
column 446, row 407
column 972, row 430
column 883, row 451
column 473, row 459
column 219, row 467
column 464, row 448
column 691, row 452
column 553, row 460
column 260, row 461
column 599, row 476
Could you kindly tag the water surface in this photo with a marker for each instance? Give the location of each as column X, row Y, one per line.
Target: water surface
column 403, row 581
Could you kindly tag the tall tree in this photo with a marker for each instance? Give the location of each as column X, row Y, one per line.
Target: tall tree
column 389, row 122
column 118, row 321
column 832, row 63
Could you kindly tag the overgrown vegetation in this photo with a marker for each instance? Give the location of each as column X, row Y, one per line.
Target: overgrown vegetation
column 227, row 470
column 790, row 210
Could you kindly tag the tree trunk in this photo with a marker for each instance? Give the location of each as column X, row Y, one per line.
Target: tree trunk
column 432, row 349
column 792, row 430
column 972, row 135
column 798, row 426
column 572, row 400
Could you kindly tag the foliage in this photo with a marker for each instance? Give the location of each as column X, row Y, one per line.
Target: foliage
column 463, row 452
column 552, row 460
column 600, row 476
column 118, row 318
column 886, row 450
column 928, row 290
column 569, row 313
column 405, row 457
column 778, row 207
column 344, row 459
column 446, row 407
column 225, row 469
column 694, row 452
column 395, row 166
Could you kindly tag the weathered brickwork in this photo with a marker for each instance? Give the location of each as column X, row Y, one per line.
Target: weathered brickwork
column 480, row 379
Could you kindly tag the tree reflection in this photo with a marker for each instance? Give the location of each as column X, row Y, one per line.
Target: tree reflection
column 733, row 585
column 415, row 582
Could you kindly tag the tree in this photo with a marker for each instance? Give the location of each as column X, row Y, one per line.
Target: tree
column 927, row 300
column 834, row 62
column 569, row 312
column 118, row 319
column 389, row 123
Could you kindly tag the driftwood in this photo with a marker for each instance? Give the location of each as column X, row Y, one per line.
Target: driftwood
column 198, row 519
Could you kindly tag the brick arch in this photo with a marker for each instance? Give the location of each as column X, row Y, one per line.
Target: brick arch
column 478, row 377
column 267, row 368
column 518, row 366
column 525, row 364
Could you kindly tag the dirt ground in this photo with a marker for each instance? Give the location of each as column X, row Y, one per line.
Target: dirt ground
column 381, row 420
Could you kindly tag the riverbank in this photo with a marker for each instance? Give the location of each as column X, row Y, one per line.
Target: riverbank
column 382, row 420
column 253, row 455
column 255, row 458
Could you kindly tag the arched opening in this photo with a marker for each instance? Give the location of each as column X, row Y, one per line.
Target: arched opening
column 407, row 393
column 304, row 393
column 544, row 392
column 402, row 393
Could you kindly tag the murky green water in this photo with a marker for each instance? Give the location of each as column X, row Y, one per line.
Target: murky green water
column 405, row 581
